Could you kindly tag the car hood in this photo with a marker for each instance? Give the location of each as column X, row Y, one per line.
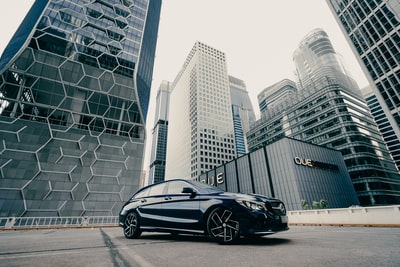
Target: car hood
column 249, row 197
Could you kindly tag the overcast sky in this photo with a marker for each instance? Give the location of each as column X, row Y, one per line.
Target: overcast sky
column 257, row 36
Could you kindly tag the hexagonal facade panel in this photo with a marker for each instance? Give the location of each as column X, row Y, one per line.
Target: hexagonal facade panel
column 71, row 126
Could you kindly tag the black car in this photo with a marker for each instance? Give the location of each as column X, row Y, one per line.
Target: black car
column 184, row 206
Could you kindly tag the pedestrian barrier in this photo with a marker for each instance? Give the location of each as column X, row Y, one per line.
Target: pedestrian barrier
column 352, row 216
column 57, row 222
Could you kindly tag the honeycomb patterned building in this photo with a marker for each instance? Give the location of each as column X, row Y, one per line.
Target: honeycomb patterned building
column 74, row 89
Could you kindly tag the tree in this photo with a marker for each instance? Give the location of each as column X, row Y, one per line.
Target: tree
column 315, row 205
column 304, row 204
column 323, row 204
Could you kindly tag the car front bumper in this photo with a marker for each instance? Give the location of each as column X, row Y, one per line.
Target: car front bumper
column 264, row 224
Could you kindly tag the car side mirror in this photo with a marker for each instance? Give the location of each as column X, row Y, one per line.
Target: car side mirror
column 189, row 190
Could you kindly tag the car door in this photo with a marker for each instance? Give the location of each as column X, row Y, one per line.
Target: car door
column 150, row 206
column 181, row 210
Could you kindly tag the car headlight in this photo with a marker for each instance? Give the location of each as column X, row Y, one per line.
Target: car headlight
column 251, row 205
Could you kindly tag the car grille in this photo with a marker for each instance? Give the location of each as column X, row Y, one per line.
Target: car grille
column 277, row 208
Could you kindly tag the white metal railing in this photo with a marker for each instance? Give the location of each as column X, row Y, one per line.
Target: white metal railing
column 57, row 222
column 376, row 215
column 380, row 216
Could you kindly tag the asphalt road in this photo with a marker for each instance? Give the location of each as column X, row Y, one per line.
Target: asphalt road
column 300, row 246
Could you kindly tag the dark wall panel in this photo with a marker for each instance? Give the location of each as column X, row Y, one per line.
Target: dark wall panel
column 244, row 174
column 292, row 171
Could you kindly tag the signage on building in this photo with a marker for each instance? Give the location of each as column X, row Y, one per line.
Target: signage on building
column 214, row 181
column 315, row 164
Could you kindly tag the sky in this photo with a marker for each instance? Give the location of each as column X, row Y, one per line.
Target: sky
column 257, row 36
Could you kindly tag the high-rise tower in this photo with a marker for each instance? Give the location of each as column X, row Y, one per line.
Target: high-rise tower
column 327, row 111
column 74, row 89
column 316, row 58
column 381, row 118
column 160, row 134
column 275, row 93
column 200, row 129
column 372, row 29
column 242, row 112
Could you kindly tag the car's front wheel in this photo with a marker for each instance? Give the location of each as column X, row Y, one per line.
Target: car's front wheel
column 132, row 225
column 222, row 226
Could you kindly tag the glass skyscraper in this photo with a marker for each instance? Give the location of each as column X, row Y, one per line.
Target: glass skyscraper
column 160, row 134
column 273, row 94
column 381, row 118
column 74, row 88
column 200, row 127
column 373, row 30
column 242, row 112
column 315, row 59
column 329, row 110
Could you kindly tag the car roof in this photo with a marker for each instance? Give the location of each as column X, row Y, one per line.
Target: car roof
column 163, row 182
column 171, row 180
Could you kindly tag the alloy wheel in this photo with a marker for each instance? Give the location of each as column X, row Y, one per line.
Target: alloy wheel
column 222, row 226
column 131, row 225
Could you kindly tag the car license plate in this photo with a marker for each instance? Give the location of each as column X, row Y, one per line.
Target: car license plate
column 284, row 219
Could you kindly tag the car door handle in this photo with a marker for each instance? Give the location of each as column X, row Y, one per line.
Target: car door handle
column 167, row 198
column 143, row 200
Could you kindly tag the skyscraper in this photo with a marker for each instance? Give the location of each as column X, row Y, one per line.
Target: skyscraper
column 74, row 89
column 200, row 129
column 381, row 118
column 160, row 134
column 316, row 60
column 372, row 29
column 242, row 112
column 275, row 94
column 327, row 111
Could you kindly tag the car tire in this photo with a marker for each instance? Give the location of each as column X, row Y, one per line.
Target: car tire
column 132, row 225
column 222, row 226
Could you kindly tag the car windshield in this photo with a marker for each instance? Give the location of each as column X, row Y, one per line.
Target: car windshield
column 205, row 188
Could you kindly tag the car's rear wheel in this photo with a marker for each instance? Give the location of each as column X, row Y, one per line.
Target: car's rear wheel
column 222, row 226
column 132, row 225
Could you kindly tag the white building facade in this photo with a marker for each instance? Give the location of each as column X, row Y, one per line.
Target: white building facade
column 200, row 132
